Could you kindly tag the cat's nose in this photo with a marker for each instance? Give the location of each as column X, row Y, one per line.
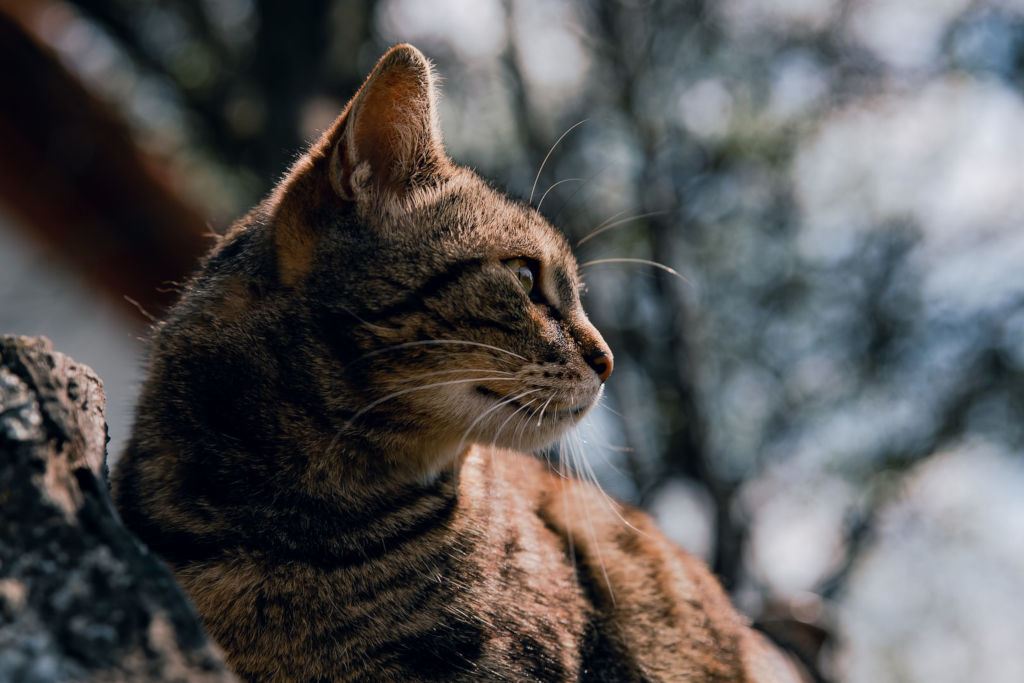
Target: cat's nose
column 601, row 361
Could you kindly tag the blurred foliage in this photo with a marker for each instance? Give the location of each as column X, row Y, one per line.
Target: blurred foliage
column 838, row 181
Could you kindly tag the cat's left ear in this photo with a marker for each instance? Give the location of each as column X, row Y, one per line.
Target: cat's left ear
column 389, row 139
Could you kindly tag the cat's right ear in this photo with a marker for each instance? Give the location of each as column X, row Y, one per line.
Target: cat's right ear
column 388, row 140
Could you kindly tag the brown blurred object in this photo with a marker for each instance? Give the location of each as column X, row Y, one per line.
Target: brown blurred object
column 801, row 627
column 72, row 176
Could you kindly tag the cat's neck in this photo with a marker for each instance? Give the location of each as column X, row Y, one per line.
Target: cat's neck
column 292, row 487
column 273, row 415
column 301, row 450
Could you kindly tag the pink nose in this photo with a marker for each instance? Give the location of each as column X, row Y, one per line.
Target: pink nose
column 602, row 364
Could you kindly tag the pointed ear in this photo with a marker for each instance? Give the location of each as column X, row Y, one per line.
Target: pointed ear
column 388, row 138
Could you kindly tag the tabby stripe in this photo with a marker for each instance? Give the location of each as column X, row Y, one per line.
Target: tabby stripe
column 405, row 641
column 477, row 323
column 366, row 511
column 442, row 559
column 287, row 535
column 444, row 650
column 179, row 547
column 431, row 288
column 390, row 596
column 291, row 543
column 173, row 546
column 602, row 654
column 464, row 322
column 377, row 547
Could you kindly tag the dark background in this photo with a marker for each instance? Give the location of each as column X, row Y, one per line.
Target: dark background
column 827, row 405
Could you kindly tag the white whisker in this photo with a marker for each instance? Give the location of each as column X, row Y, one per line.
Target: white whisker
column 587, row 472
column 518, row 440
column 368, row 323
column 589, row 528
column 541, row 418
column 490, row 410
column 580, row 189
column 455, row 371
column 608, row 226
column 565, row 512
column 450, row 382
column 600, row 225
column 553, row 186
column 644, row 261
column 548, row 155
column 603, row 402
column 507, row 419
column 427, row 342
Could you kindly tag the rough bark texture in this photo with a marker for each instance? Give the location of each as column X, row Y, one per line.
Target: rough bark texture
column 80, row 597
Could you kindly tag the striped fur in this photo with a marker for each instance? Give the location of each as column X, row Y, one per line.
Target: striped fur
column 307, row 449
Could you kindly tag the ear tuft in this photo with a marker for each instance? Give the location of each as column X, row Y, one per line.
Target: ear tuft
column 389, row 138
column 386, row 143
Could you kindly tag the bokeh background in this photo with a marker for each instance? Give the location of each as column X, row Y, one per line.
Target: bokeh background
column 828, row 405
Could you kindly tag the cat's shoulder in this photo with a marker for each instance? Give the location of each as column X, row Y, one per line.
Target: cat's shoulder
column 670, row 612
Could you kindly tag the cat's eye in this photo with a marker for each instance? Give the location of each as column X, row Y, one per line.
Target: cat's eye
column 526, row 272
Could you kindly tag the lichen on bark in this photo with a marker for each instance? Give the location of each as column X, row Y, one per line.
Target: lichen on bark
column 80, row 597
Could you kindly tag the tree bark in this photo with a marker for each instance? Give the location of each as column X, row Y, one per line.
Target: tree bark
column 80, row 597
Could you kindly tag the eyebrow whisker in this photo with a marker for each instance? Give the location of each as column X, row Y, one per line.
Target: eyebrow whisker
column 644, row 261
column 548, row 156
column 553, row 186
column 609, row 225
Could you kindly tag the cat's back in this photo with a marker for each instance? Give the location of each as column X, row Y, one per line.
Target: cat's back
column 651, row 611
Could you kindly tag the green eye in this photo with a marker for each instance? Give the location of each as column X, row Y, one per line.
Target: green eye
column 522, row 270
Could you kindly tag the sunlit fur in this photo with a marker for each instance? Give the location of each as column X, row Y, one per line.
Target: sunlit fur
column 328, row 445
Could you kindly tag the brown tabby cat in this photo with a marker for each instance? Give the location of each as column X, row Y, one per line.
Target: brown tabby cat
column 301, row 454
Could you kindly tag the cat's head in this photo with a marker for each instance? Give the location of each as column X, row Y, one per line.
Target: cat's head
column 447, row 313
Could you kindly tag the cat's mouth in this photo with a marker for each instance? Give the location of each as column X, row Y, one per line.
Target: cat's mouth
column 569, row 412
column 548, row 412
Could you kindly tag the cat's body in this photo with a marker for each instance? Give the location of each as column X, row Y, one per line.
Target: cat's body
column 302, row 451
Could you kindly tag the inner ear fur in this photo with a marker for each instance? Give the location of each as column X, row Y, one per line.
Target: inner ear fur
column 385, row 143
column 388, row 139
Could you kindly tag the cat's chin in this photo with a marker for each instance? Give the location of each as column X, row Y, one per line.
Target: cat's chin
column 536, row 429
column 537, row 440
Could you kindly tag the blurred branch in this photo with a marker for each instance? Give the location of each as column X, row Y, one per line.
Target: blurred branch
column 989, row 373
column 292, row 40
column 280, row 75
column 207, row 108
column 522, row 112
column 671, row 354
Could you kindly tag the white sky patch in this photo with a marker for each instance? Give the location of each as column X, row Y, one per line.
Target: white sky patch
column 859, row 428
column 798, row 83
column 473, row 29
column 706, row 108
column 553, row 59
column 39, row 295
column 947, row 157
column 906, row 34
column 795, row 537
column 685, row 512
column 987, row 276
column 746, row 16
column 939, row 599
